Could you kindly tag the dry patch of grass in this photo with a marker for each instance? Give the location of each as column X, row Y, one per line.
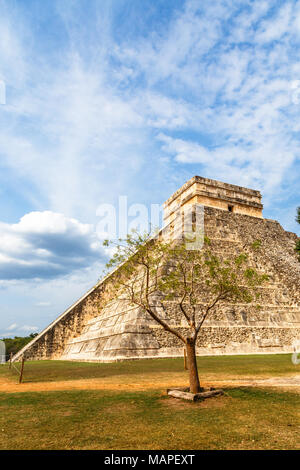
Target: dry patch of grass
column 214, row 402
column 243, row 419
column 145, row 370
column 93, row 412
column 257, row 370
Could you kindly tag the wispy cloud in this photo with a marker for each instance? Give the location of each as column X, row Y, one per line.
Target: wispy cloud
column 242, row 84
column 43, row 304
column 15, row 329
column 222, row 71
column 28, row 328
column 12, row 327
column 130, row 98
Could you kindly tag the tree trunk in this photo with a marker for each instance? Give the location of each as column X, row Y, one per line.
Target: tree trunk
column 192, row 364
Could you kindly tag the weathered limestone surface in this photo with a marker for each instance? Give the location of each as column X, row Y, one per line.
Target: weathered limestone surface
column 212, row 193
column 94, row 330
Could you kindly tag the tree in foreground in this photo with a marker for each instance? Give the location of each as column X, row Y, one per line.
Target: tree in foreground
column 153, row 272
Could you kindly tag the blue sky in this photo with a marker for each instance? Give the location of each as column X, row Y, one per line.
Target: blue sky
column 129, row 97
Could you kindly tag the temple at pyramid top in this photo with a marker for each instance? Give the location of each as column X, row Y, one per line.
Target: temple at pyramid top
column 100, row 327
column 212, row 193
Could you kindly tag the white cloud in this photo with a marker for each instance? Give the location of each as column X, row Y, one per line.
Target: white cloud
column 263, row 164
column 43, row 304
column 28, row 328
column 274, row 28
column 222, row 70
column 184, row 151
column 208, row 71
column 12, row 327
column 45, row 245
column 213, row 81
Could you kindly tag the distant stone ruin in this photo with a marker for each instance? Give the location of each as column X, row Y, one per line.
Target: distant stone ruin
column 99, row 327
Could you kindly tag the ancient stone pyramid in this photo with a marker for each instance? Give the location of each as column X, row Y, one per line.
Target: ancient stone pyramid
column 100, row 327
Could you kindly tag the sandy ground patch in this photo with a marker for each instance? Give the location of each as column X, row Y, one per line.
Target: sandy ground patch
column 214, row 402
column 146, row 382
column 288, row 382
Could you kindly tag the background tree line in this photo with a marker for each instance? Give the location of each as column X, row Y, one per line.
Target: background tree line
column 13, row 345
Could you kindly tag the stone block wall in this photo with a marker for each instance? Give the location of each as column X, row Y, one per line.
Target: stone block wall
column 94, row 330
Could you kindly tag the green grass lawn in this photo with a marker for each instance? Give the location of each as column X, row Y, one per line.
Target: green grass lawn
column 211, row 366
column 245, row 418
column 242, row 419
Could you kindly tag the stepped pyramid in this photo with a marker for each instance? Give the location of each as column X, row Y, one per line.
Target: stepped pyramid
column 101, row 327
